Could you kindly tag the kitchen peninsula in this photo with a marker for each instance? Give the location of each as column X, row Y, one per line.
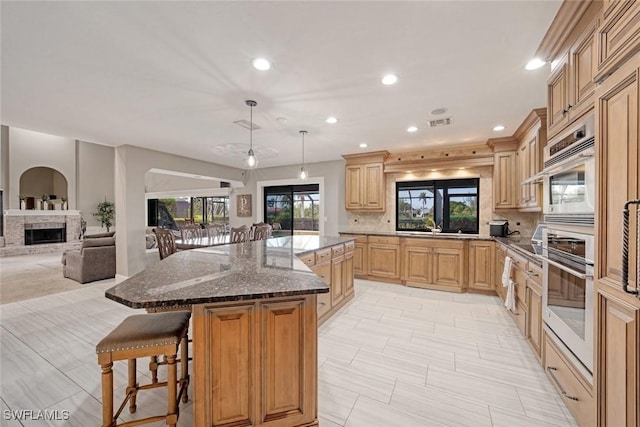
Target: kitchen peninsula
column 254, row 325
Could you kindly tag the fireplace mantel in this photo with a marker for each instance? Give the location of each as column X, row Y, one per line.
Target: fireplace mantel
column 30, row 212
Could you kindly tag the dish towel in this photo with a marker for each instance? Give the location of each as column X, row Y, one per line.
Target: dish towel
column 510, row 300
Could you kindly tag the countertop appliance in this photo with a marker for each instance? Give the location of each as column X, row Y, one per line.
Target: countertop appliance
column 499, row 228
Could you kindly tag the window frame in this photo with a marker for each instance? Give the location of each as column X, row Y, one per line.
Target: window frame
column 445, row 185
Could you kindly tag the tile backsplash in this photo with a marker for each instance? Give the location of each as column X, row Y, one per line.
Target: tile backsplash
column 386, row 221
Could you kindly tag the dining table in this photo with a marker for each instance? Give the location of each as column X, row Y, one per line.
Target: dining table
column 202, row 242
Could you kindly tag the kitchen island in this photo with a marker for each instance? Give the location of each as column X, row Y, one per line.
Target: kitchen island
column 254, row 326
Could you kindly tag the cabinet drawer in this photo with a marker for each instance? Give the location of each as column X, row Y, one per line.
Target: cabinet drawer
column 308, row 259
column 519, row 261
column 349, row 246
column 384, row 240
column 323, row 270
column 323, row 255
column 360, row 238
column 519, row 316
column 337, row 250
column 618, row 36
column 573, row 393
column 520, row 279
column 534, row 271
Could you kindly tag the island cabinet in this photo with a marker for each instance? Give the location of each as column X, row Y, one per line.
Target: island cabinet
column 434, row 263
column 482, row 265
column 256, row 362
column 617, row 336
column 365, row 182
column 384, row 258
column 570, row 88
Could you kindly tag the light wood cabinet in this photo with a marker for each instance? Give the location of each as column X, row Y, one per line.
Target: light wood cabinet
column 449, row 267
column 265, row 362
column 501, row 254
column 348, row 273
column 504, row 180
column 532, row 137
column 359, row 254
column 365, row 182
column 482, row 265
column 337, row 280
column 618, row 36
column 570, row 87
column 417, row 265
column 384, row 257
column 534, row 317
column 617, row 336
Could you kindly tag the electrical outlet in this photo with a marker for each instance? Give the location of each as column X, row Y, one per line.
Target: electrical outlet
column 517, row 223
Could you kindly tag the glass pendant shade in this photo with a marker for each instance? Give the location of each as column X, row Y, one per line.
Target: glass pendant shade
column 251, row 161
column 303, row 172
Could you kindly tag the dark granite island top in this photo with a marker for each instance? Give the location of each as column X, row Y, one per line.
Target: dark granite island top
column 234, row 272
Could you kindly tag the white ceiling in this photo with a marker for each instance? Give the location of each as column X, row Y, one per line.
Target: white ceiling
column 174, row 76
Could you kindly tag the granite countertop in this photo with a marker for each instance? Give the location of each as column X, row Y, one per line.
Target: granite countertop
column 420, row 235
column 235, row 272
column 523, row 246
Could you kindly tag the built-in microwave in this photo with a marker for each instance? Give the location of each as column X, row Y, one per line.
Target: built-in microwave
column 569, row 176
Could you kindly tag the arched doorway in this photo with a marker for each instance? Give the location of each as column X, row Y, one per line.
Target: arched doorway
column 41, row 180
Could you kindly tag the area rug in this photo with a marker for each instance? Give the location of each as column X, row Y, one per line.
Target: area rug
column 29, row 277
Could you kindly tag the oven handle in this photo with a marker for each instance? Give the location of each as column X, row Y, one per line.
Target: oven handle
column 576, row 273
column 625, row 247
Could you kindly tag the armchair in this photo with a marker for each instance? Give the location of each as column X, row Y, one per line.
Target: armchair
column 95, row 260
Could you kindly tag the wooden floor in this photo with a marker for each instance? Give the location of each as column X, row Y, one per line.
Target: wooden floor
column 394, row 356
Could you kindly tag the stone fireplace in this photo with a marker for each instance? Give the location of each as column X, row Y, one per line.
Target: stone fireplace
column 30, row 231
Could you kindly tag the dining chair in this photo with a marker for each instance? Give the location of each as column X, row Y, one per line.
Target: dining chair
column 166, row 242
column 261, row 232
column 240, row 234
column 191, row 232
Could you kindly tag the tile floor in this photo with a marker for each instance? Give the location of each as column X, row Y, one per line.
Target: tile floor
column 394, row 356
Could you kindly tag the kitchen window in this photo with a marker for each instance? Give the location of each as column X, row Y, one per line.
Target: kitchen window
column 450, row 205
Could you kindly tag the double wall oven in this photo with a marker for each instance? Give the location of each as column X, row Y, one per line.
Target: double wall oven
column 568, row 244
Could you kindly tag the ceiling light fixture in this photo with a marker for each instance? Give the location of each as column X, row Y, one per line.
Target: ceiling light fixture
column 498, row 128
column 389, row 79
column 534, row 64
column 251, row 161
column 364, row 145
column 303, row 175
column 261, row 64
column 331, row 120
column 412, row 129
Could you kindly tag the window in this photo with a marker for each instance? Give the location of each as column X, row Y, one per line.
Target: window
column 451, row 205
column 170, row 212
column 305, row 200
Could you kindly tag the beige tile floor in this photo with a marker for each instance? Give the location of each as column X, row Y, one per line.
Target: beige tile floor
column 394, row 356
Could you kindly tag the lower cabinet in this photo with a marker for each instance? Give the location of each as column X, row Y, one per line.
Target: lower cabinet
column 348, row 271
column 337, row 279
column 256, row 362
column 573, row 389
column 534, row 318
column 383, row 258
column 449, row 266
column 434, row 264
column 501, row 254
column 618, row 359
column 482, row 265
column 360, row 248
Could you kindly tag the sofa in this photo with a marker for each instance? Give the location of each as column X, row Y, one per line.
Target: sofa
column 95, row 260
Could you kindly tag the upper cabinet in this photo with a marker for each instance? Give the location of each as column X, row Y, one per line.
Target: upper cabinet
column 365, row 181
column 618, row 36
column 571, row 85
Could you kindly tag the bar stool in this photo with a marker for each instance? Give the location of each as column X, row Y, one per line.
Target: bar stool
column 145, row 335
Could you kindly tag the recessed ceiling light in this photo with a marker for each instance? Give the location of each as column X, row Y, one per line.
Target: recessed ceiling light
column 534, row 64
column 389, row 79
column 331, row 120
column 364, row 145
column 412, row 129
column 439, row 111
column 260, row 64
column 498, row 128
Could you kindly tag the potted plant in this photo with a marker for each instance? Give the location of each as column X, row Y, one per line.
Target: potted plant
column 106, row 213
column 23, row 201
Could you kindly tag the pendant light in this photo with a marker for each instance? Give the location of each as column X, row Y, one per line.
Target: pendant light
column 303, row 172
column 251, row 162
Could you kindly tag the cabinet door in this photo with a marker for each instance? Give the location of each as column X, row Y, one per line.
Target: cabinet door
column 384, row 260
column 504, row 177
column 418, row 266
column 617, row 110
column 534, row 318
column 481, row 266
column 501, row 253
column 337, row 280
column 353, row 187
column 348, row 273
column 374, row 183
column 323, row 270
column 360, row 260
column 558, row 98
column 448, row 267
column 583, row 69
column 324, row 304
column 618, row 35
column 535, row 163
column 618, row 333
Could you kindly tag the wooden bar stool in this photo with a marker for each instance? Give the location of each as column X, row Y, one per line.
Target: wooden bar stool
column 145, row 335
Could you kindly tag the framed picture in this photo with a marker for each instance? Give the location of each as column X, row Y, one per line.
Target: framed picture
column 243, row 202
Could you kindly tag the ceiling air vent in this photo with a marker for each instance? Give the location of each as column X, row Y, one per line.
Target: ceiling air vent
column 439, row 122
column 246, row 124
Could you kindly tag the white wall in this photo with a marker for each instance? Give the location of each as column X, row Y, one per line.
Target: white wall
column 29, row 149
column 159, row 182
column 131, row 165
